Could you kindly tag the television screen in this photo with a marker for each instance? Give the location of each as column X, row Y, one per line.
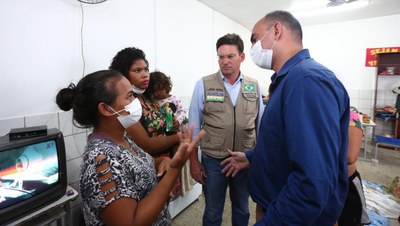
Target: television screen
column 26, row 171
column 32, row 173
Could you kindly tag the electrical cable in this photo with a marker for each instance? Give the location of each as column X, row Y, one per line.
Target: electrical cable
column 82, row 45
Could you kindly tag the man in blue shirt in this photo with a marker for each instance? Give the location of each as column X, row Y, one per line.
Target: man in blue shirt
column 227, row 105
column 298, row 169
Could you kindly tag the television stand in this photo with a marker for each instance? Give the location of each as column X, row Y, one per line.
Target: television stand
column 57, row 211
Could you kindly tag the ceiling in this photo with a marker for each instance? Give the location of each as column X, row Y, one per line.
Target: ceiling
column 248, row 12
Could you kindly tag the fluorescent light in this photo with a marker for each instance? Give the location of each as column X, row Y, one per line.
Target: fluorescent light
column 315, row 8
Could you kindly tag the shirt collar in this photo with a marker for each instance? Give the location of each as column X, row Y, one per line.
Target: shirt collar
column 224, row 79
column 301, row 55
column 277, row 77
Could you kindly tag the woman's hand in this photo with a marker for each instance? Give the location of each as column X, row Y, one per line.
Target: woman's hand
column 162, row 164
column 186, row 146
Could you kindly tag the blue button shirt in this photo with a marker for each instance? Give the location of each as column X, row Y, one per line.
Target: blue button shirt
column 298, row 170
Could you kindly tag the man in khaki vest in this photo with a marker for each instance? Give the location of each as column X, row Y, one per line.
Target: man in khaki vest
column 227, row 105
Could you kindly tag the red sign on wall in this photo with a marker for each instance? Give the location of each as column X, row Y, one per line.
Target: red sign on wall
column 372, row 53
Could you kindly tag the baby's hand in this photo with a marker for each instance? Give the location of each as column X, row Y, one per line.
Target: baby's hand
column 177, row 125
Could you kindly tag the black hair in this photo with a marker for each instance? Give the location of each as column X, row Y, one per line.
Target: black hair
column 124, row 59
column 85, row 97
column 286, row 19
column 231, row 39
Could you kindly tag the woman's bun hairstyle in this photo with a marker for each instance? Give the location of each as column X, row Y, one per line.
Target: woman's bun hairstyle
column 65, row 97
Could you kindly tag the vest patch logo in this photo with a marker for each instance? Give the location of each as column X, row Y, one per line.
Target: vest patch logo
column 215, row 96
column 249, row 88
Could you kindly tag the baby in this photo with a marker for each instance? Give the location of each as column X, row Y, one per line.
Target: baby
column 159, row 89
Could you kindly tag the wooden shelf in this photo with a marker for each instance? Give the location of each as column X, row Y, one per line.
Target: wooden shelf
column 387, row 60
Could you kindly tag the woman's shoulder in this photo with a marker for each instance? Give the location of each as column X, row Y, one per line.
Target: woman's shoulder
column 99, row 146
column 96, row 144
column 133, row 145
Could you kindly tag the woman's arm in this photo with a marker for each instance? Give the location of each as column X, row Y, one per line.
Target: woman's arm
column 127, row 211
column 149, row 207
column 152, row 145
column 355, row 141
column 130, row 212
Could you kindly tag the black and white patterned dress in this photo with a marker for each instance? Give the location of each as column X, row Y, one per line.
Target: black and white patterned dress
column 135, row 177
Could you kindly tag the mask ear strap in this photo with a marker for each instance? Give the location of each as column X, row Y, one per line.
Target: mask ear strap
column 104, row 109
column 264, row 36
column 272, row 47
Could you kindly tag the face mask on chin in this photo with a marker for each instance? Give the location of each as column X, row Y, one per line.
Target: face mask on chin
column 262, row 57
column 135, row 113
column 138, row 90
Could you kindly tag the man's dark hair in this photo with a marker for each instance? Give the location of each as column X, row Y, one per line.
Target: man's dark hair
column 231, row 39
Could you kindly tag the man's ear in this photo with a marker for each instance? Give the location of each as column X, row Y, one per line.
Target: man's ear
column 104, row 109
column 277, row 30
column 242, row 57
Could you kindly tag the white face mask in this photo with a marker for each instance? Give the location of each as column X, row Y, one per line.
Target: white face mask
column 262, row 57
column 135, row 113
column 138, row 90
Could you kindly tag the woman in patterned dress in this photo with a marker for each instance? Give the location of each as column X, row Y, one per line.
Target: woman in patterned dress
column 118, row 182
column 151, row 133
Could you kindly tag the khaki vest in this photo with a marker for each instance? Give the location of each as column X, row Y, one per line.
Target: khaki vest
column 229, row 127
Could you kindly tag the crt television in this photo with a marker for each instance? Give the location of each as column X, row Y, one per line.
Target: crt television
column 32, row 174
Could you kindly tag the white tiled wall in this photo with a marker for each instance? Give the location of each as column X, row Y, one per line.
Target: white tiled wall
column 65, row 124
column 363, row 100
column 7, row 124
column 51, row 120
